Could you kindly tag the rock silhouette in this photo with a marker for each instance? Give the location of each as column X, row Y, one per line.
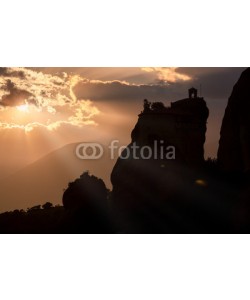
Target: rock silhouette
column 234, row 149
column 234, row 145
column 187, row 193
column 151, row 190
column 86, row 204
column 182, row 125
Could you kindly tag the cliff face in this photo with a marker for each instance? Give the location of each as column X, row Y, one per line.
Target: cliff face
column 234, row 145
column 183, row 125
column 149, row 182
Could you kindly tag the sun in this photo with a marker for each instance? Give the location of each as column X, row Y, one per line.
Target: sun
column 23, row 108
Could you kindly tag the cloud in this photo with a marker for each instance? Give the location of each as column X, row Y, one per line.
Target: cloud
column 215, row 83
column 162, row 84
column 14, row 96
column 168, row 74
column 39, row 99
column 57, row 98
column 12, row 72
column 121, row 91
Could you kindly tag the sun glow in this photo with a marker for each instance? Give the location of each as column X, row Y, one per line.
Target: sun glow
column 23, row 108
column 43, row 100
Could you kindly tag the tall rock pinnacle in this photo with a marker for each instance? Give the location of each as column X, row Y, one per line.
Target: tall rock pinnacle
column 234, row 145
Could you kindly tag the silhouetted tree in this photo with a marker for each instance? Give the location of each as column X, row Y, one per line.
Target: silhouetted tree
column 47, row 205
column 34, row 208
column 85, row 192
column 34, row 220
column 85, row 199
column 158, row 106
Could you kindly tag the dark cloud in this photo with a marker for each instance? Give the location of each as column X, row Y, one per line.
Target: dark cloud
column 15, row 96
column 3, row 71
column 215, row 83
column 118, row 91
column 11, row 73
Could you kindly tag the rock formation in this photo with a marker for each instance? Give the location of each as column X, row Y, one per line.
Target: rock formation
column 234, row 145
column 157, row 171
column 182, row 125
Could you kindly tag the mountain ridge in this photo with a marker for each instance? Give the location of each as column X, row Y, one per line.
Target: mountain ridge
column 45, row 179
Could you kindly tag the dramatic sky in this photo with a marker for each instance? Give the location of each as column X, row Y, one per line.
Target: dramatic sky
column 42, row 109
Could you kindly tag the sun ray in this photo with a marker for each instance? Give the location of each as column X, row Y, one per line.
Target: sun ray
column 47, row 101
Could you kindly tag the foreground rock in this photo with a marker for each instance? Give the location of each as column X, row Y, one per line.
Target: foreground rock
column 234, row 145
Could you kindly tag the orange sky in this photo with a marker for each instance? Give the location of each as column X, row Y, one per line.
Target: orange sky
column 43, row 109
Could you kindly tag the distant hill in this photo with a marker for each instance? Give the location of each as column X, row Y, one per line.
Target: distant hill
column 45, row 179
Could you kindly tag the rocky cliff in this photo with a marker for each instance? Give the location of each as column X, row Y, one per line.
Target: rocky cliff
column 234, row 145
column 182, row 125
column 158, row 171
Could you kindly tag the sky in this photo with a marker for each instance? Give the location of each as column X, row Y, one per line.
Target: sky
column 43, row 109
